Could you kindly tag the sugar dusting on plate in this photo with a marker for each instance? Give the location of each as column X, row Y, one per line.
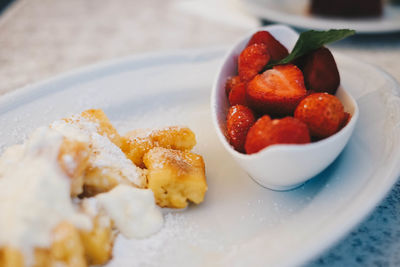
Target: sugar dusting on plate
column 152, row 250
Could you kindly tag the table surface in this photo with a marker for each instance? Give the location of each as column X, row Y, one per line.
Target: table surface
column 42, row 38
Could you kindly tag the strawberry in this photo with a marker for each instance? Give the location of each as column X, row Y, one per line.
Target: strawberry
column 236, row 91
column 276, row 50
column 230, row 83
column 239, row 120
column 346, row 119
column 320, row 71
column 266, row 132
column 237, row 95
column 252, row 60
column 277, row 91
column 323, row 113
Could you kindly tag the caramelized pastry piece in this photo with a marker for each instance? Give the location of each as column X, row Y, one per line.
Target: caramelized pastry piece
column 105, row 127
column 11, row 257
column 175, row 177
column 67, row 246
column 107, row 165
column 73, row 159
column 100, row 180
column 66, row 250
column 98, row 242
column 137, row 143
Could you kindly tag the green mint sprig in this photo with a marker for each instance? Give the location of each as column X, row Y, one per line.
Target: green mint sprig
column 312, row 40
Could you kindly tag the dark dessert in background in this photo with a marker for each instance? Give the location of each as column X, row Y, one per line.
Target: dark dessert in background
column 347, row 8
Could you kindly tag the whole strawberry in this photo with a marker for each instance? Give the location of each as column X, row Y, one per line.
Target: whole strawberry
column 252, row 60
column 322, row 112
column 239, row 119
column 266, row 132
column 276, row 50
column 320, row 71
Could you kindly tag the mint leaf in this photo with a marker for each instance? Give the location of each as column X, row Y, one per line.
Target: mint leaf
column 312, row 40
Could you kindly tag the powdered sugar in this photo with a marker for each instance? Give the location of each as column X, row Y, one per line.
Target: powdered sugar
column 172, row 115
column 69, row 162
column 105, row 153
column 77, row 128
column 160, row 156
column 89, row 206
column 34, row 194
column 154, row 250
column 147, row 133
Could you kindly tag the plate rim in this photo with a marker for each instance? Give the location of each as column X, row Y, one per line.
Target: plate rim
column 213, row 53
column 9, row 98
column 393, row 175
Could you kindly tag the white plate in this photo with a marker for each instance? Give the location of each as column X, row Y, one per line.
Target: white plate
column 295, row 13
column 240, row 223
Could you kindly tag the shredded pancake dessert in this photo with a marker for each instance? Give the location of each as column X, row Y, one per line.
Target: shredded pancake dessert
column 71, row 187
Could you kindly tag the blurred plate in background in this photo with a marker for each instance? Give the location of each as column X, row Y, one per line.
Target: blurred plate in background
column 296, row 13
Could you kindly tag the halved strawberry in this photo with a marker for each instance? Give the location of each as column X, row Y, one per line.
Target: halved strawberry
column 276, row 50
column 323, row 113
column 252, row 60
column 239, row 119
column 320, row 71
column 266, row 132
column 277, row 91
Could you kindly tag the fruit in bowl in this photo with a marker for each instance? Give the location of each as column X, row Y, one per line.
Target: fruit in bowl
column 304, row 89
column 277, row 112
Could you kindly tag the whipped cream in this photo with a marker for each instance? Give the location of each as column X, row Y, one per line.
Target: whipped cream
column 133, row 210
column 35, row 194
column 35, row 191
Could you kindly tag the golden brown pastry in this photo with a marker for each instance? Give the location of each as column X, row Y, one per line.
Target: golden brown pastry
column 175, row 177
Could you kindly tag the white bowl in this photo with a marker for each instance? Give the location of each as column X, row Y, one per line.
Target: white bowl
column 279, row 167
